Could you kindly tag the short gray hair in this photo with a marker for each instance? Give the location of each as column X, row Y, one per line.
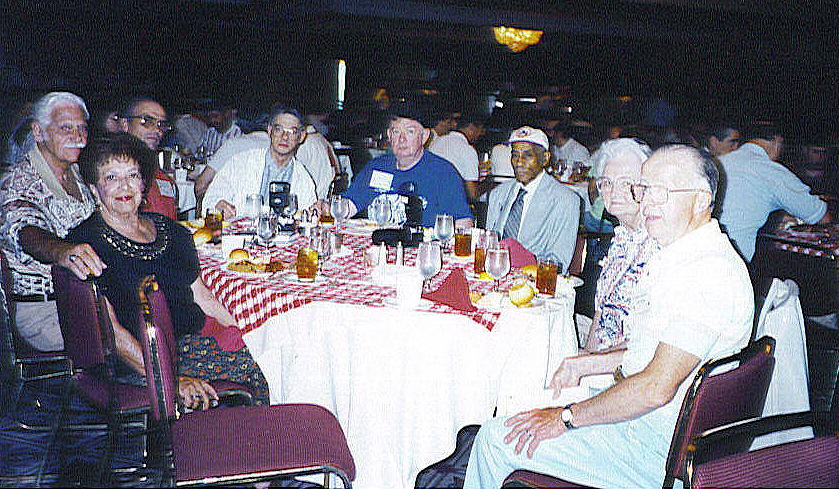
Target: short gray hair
column 42, row 110
column 618, row 148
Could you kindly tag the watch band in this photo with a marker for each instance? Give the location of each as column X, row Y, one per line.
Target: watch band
column 570, row 418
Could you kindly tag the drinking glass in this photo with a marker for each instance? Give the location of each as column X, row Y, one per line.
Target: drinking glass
column 380, row 211
column 340, row 208
column 546, row 272
column 497, row 264
column 321, row 243
column 484, row 240
column 266, row 226
column 463, row 242
column 253, row 205
column 429, row 261
column 443, row 228
column 307, row 263
column 291, row 208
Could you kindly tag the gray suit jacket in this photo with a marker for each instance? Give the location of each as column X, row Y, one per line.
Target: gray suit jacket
column 551, row 222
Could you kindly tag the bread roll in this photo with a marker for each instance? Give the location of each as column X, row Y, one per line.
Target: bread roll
column 239, row 254
column 202, row 236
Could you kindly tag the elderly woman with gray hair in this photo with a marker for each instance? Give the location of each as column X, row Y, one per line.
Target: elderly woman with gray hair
column 618, row 162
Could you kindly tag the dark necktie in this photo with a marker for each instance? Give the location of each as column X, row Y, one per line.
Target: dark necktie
column 511, row 227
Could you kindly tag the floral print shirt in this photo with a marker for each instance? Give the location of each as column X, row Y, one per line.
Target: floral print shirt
column 621, row 269
column 30, row 195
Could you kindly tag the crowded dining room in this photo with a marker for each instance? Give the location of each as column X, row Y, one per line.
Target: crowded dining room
column 419, row 244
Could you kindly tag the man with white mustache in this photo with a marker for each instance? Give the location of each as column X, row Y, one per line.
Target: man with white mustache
column 42, row 197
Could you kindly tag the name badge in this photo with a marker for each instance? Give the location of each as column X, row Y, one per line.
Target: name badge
column 381, row 180
column 166, row 188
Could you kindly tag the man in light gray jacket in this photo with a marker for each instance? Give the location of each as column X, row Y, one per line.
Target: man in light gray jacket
column 535, row 209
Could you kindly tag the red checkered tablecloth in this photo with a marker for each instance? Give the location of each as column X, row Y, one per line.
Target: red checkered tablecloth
column 254, row 298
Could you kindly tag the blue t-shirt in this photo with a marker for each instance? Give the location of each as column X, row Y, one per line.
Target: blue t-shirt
column 435, row 180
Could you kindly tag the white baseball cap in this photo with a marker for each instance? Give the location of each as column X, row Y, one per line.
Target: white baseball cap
column 530, row 135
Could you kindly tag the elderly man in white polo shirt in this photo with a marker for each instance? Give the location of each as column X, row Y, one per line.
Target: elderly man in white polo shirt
column 696, row 304
column 255, row 167
column 535, row 209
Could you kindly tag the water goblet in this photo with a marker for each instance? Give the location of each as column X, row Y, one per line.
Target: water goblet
column 266, row 226
column 253, row 205
column 379, row 211
column 443, row 228
column 291, row 208
column 429, row 261
column 497, row 264
column 340, row 208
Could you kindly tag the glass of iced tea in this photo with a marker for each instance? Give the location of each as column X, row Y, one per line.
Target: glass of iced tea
column 484, row 240
column 213, row 221
column 546, row 272
column 307, row 263
column 463, row 242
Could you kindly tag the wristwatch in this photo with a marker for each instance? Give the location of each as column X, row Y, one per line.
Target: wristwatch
column 568, row 417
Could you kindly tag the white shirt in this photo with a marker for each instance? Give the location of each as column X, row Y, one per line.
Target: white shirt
column 500, row 160
column 455, row 148
column 696, row 297
column 572, row 152
column 530, row 188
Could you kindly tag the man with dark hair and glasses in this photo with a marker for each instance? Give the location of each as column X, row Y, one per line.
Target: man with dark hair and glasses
column 694, row 305
column 249, row 166
column 146, row 119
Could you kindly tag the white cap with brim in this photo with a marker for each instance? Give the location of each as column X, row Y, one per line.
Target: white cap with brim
column 529, row 135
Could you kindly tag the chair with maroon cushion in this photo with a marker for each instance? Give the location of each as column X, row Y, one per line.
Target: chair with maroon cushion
column 712, row 400
column 806, row 463
column 234, row 445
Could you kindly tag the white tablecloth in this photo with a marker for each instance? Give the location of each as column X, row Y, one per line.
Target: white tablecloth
column 402, row 382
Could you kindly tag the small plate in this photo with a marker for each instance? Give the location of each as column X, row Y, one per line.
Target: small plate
column 291, row 277
column 575, row 281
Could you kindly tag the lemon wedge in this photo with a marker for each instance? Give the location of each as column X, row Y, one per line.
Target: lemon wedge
column 521, row 293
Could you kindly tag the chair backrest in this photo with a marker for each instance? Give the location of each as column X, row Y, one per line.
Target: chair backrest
column 80, row 309
column 715, row 400
column 157, row 340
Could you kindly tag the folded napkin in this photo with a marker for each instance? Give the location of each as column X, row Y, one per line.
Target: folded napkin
column 229, row 338
column 453, row 292
column 519, row 256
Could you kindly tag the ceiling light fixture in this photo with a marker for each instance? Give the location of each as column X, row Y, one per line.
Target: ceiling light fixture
column 516, row 40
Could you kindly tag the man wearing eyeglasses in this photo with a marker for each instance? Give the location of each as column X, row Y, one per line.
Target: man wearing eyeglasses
column 146, row 119
column 695, row 305
column 251, row 170
column 42, row 197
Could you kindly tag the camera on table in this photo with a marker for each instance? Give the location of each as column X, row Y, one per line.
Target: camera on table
column 278, row 200
column 410, row 234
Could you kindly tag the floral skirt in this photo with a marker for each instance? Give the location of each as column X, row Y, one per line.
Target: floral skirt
column 201, row 357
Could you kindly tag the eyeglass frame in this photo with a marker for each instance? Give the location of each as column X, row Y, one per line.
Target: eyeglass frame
column 598, row 182
column 162, row 124
column 645, row 186
column 292, row 133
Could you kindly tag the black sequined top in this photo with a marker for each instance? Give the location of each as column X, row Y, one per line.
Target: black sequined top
column 171, row 257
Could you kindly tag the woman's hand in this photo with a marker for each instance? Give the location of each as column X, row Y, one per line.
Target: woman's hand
column 196, row 393
column 567, row 375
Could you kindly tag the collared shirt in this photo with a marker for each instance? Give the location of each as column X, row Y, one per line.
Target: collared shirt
column 530, row 188
column 31, row 195
column 697, row 297
column 757, row 186
column 572, row 152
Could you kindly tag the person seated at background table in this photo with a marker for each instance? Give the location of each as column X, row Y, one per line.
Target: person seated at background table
column 146, row 119
column 265, row 160
column 118, row 168
column 535, row 209
column 43, row 197
column 618, row 161
column 723, row 138
column 756, row 185
column 696, row 304
column 565, row 148
column 408, row 164
column 457, row 148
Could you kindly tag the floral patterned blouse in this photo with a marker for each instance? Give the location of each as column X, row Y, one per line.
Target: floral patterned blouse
column 623, row 266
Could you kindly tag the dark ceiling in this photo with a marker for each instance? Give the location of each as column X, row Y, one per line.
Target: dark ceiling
column 770, row 59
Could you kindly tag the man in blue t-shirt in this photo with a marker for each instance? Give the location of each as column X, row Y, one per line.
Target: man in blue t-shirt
column 410, row 169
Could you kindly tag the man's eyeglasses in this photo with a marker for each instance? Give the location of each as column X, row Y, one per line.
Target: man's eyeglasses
column 148, row 122
column 657, row 194
column 291, row 132
column 605, row 185
column 71, row 130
